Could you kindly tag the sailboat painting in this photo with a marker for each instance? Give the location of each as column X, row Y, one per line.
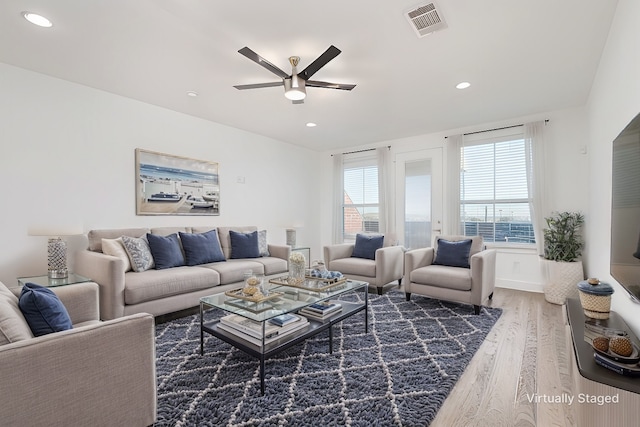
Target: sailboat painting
column 174, row 185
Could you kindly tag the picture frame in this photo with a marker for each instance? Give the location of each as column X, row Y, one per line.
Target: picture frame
column 175, row 185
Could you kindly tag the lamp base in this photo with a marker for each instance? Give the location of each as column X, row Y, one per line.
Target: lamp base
column 58, row 274
column 57, row 258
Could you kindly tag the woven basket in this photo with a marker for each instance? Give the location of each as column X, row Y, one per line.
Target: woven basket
column 595, row 306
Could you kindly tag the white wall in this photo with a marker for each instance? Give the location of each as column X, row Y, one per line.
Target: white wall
column 68, row 159
column 614, row 101
column 567, row 164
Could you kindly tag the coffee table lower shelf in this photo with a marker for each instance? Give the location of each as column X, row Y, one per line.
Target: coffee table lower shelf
column 262, row 353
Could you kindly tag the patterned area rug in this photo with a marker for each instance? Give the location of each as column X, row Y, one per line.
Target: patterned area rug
column 398, row 374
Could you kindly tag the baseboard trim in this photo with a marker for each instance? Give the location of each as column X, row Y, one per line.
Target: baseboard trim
column 519, row 285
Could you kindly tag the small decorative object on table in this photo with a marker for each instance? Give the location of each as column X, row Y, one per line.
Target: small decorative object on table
column 297, row 265
column 595, row 297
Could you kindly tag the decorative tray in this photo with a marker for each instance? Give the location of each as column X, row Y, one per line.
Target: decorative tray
column 631, row 359
column 310, row 283
column 238, row 293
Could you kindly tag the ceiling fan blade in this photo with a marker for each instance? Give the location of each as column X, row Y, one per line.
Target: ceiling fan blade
column 320, row 62
column 326, row 85
column 259, row 85
column 262, row 62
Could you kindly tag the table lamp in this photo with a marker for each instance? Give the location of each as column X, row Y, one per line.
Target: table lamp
column 56, row 248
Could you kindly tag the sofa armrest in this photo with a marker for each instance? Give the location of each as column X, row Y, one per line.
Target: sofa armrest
column 108, row 272
column 333, row 252
column 483, row 274
column 417, row 258
column 389, row 264
column 81, row 301
column 100, row 375
column 280, row 251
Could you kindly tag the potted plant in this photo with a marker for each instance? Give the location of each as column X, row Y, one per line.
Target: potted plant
column 563, row 246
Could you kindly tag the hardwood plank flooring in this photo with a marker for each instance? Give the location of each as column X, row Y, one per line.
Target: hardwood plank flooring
column 523, row 359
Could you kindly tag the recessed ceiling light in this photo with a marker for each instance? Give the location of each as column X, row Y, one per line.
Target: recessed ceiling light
column 192, row 93
column 36, row 19
column 311, row 125
column 463, row 85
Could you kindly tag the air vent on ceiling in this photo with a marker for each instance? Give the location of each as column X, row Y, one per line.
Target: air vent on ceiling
column 426, row 19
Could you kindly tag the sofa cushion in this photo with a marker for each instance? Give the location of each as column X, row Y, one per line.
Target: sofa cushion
column 115, row 247
column 166, row 251
column 263, row 246
column 43, row 310
column 244, row 245
column 95, row 236
column 273, row 265
column 13, row 325
column 367, row 245
column 443, row 277
column 201, row 248
column 233, row 270
column 355, row 266
column 156, row 284
column 453, row 254
column 225, row 239
column 139, row 253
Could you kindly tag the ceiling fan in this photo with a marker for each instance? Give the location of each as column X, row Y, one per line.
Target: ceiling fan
column 295, row 83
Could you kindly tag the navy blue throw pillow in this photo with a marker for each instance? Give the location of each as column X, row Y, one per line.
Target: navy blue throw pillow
column 43, row 311
column 367, row 245
column 201, row 248
column 453, row 254
column 244, row 245
column 165, row 250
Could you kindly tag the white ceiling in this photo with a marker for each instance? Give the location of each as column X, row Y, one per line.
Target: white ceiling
column 522, row 57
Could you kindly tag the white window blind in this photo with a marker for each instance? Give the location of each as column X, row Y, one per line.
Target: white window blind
column 494, row 199
column 361, row 209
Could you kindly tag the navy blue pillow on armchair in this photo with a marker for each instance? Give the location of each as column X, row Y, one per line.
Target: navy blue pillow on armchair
column 453, row 254
column 43, row 310
column 367, row 245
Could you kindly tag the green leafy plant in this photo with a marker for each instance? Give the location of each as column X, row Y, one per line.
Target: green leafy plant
column 562, row 239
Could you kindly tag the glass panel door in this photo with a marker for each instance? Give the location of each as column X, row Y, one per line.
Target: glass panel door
column 419, row 192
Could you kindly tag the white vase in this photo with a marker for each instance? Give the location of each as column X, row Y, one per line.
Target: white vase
column 561, row 280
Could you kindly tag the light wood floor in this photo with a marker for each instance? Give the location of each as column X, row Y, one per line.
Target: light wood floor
column 524, row 355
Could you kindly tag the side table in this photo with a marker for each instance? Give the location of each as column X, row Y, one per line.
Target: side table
column 51, row 283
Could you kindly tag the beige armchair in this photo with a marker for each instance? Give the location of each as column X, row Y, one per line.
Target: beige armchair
column 384, row 269
column 471, row 285
column 97, row 374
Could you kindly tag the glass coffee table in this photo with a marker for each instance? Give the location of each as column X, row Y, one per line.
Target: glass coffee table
column 283, row 300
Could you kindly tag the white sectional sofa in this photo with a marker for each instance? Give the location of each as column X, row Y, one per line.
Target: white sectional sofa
column 162, row 291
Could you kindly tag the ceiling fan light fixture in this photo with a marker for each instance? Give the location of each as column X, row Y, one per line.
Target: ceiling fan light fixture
column 294, row 88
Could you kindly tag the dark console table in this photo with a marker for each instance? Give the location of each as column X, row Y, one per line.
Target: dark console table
column 592, row 381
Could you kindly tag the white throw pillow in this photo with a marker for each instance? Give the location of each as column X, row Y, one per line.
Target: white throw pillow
column 115, row 247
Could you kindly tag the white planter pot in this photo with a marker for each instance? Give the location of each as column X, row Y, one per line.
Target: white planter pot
column 561, row 280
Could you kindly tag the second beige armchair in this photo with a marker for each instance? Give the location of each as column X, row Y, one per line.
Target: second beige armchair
column 378, row 267
column 449, row 274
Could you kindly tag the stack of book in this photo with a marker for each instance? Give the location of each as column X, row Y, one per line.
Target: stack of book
column 251, row 330
column 321, row 310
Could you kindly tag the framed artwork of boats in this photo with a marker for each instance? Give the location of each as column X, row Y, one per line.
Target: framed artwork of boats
column 174, row 185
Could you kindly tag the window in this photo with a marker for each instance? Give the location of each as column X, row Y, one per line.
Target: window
column 494, row 197
column 361, row 209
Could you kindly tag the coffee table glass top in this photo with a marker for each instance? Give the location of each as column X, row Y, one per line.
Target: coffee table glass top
column 292, row 299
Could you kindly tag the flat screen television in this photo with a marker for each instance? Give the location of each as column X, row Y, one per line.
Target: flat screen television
column 625, row 210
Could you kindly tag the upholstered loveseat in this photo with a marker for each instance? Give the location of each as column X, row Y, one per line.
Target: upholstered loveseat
column 161, row 291
column 95, row 374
